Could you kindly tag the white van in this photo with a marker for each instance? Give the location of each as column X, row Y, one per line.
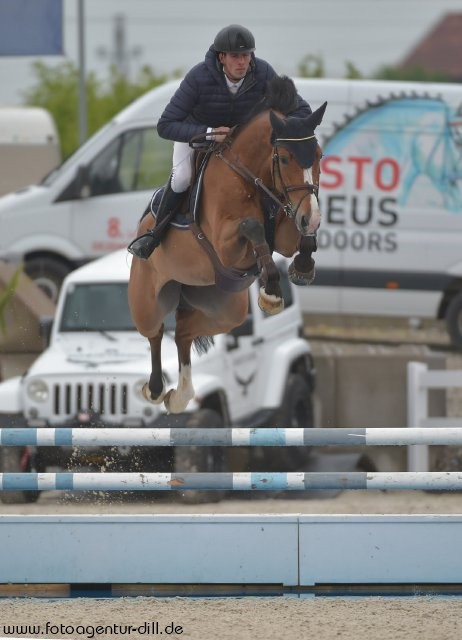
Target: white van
column 29, row 146
column 391, row 197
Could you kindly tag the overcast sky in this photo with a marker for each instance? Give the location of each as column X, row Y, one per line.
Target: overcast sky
column 174, row 34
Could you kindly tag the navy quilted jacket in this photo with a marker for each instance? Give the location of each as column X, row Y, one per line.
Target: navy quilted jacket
column 203, row 99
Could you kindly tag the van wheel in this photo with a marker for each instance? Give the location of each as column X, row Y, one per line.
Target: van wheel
column 48, row 274
column 16, row 460
column 454, row 321
column 189, row 459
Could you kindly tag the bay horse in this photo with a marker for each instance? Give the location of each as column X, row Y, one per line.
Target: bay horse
column 205, row 275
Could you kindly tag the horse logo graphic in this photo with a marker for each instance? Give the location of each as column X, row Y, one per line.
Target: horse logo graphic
column 408, row 145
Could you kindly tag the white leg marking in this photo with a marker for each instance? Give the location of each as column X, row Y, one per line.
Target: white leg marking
column 177, row 399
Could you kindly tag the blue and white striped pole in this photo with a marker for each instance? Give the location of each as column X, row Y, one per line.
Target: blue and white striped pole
column 239, row 481
column 228, row 437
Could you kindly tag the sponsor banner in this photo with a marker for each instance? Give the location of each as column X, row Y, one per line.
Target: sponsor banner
column 31, row 27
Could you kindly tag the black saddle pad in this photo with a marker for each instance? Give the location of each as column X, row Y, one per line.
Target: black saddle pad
column 180, row 220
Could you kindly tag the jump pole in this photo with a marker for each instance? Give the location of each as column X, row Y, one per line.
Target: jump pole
column 238, row 481
column 229, row 437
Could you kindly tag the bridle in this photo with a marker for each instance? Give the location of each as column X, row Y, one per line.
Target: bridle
column 309, row 187
column 283, row 203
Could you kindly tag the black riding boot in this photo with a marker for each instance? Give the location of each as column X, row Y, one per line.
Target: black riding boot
column 144, row 245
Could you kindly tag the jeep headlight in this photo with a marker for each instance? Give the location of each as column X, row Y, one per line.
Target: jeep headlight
column 37, row 390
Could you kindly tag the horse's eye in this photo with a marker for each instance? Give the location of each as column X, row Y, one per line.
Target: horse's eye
column 284, row 160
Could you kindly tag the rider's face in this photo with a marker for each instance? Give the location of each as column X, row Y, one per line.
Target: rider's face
column 235, row 65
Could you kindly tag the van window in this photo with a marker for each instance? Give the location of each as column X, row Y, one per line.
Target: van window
column 135, row 161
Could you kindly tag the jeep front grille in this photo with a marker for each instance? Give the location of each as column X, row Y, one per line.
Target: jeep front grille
column 105, row 399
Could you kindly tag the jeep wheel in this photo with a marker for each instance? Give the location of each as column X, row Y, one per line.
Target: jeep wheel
column 296, row 411
column 189, row 459
column 48, row 274
column 454, row 321
column 16, row 460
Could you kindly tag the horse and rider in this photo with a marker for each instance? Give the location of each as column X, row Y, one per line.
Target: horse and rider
column 258, row 194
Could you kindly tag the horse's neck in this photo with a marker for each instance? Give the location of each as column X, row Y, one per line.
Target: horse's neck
column 253, row 148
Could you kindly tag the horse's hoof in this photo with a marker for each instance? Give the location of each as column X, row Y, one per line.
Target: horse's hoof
column 173, row 403
column 146, row 392
column 299, row 278
column 270, row 304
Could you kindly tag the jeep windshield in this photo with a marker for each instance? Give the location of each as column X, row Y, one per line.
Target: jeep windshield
column 100, row 306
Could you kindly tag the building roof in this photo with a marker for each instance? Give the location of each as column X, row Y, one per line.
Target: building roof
column 441, row 49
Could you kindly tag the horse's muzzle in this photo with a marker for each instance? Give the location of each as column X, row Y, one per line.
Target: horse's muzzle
column 308, row 224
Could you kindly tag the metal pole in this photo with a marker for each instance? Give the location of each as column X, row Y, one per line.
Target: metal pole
column 82, row 75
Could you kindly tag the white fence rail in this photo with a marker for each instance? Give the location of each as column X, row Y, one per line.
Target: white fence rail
column 420, row 380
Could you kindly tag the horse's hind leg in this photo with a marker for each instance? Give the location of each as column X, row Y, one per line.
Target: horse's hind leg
column 302, row 269
column 224, row 311
column 154, row 390
column 148, row 308
column 270, row 299
column 176, row 400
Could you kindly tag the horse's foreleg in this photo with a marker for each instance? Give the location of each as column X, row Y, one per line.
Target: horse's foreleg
column 302, row 269
column 270, row 299
column 154, row 390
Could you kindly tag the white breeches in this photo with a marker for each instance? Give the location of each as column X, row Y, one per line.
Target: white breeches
column 182, row 166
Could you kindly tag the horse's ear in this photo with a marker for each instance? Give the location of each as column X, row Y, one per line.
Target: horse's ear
column 315, row 118
column 278, row 125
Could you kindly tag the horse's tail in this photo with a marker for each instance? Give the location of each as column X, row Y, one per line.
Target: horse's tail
column 202, row 344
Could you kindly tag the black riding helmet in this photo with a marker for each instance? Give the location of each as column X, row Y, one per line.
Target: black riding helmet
column 234, row 39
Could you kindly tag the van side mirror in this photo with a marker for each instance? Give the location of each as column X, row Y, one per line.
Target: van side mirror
column 82, row 182
column 45, row 327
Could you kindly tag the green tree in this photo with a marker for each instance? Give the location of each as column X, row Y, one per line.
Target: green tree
column 5, row 297
column 311, row 66
column 56, row 89
column 352, row 72
column 418, row 74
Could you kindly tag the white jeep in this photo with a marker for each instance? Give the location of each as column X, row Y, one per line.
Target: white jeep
column 91, row 374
